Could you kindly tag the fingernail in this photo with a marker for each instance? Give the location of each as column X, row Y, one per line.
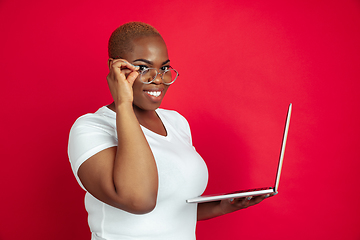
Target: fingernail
column 275, row 193
column 249, row 198
column 267, row 195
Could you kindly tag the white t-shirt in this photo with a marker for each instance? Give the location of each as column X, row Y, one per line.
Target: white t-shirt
column 182, row 175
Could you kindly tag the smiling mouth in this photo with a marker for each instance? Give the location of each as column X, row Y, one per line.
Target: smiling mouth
column 154, row 93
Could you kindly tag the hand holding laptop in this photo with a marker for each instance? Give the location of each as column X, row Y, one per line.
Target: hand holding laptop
column 234, row 204
column 211, row 209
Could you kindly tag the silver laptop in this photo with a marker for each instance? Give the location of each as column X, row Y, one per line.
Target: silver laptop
column 258, row 191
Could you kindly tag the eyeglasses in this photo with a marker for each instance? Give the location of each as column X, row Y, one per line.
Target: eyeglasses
column 148, row 75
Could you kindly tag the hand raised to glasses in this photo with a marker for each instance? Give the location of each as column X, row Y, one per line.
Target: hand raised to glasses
column 121, row 77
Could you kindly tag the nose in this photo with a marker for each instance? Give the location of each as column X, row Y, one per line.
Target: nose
column 158, row 79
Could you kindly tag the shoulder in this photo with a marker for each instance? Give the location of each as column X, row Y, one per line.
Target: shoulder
column 101, row 120
column 91, row 133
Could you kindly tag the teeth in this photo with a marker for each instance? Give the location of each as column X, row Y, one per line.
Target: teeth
column 154, row 93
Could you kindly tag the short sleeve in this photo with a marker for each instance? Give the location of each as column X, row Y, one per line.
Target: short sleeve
column 89, row 135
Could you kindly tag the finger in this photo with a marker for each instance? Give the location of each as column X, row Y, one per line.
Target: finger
column 244, row 199
column 132, row 77
column 270, row 195
column 273, row 194
column 245, row 202
column 119, row 69
column 258, row 199
column 122, row 63
column 248, row 199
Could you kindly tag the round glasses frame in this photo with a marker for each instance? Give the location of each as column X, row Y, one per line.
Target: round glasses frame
column 142, row 72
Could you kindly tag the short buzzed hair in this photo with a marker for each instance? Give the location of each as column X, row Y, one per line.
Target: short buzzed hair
column 120, row 39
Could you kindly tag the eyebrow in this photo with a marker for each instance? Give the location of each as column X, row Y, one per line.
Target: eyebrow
column 150, row 62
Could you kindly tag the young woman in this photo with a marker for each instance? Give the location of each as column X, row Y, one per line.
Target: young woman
column 136, row 161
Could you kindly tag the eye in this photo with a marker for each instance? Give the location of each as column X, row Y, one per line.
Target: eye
column 143, row 68
column 165, row 68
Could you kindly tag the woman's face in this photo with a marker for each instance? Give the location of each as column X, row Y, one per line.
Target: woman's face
column 150, row 52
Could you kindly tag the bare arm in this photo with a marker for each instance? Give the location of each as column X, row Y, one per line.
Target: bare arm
column 124, row 176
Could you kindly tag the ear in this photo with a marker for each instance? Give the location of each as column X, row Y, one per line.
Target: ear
column 109, row 62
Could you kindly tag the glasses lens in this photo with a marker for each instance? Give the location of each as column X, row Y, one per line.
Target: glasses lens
column 170, row 76
column 147, row 75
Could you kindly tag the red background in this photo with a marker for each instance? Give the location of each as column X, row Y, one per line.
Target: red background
column 241, row 63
